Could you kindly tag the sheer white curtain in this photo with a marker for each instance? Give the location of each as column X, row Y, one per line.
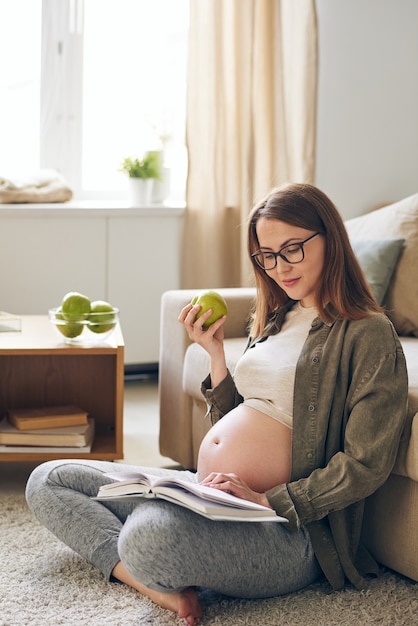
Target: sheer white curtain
column 251, row 112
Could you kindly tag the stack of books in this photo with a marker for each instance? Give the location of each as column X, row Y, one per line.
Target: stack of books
column 47, row 429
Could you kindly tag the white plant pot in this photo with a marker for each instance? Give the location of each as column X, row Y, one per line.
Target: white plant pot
column 161, row 188
column 139, row 191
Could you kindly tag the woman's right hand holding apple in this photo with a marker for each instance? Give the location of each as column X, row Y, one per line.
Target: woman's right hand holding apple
column 211, row 339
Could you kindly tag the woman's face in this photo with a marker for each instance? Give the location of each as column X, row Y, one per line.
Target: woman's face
column 299, row 280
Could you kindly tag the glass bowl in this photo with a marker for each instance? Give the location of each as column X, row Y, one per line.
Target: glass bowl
column 94, row 330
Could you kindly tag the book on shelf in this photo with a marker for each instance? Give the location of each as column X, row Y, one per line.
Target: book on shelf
column 47, row 417
column 67, row 436
column 45, row 449
column 206, row 501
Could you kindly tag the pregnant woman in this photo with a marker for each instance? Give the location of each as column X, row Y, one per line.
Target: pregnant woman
column 308, row 425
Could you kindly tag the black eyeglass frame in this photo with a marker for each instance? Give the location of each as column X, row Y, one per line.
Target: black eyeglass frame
column 300, row 244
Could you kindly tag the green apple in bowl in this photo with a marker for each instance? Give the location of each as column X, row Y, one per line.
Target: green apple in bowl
column 210, row 300
column 68, row 329
column 75, row 306
column 102, row 317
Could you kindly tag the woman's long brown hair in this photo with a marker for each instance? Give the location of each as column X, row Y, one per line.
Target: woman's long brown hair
column 343, row 291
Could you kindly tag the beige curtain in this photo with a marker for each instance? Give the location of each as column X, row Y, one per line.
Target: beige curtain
column 250, row 124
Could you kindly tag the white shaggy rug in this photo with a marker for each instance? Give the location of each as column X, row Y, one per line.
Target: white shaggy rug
column 43, row 583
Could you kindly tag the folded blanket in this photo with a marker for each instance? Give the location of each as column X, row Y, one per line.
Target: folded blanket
column 44, row 186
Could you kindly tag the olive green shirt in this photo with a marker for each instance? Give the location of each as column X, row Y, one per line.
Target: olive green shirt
column 350, row 404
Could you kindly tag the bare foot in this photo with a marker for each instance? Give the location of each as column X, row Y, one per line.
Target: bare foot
column 184, row 603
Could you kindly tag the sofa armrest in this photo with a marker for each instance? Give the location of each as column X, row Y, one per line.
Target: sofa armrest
column 175, row 437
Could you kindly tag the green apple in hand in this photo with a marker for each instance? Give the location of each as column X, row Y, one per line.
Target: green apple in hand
column 101, row 317
column 69, row 329
column 210, row 300
column 75, row 306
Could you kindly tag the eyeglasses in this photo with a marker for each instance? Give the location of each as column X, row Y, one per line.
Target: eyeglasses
column 293, row 253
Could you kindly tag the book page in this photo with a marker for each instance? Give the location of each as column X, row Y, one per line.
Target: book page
column 164, row 484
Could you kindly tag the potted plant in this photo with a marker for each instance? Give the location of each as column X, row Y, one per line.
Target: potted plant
column 142, row 173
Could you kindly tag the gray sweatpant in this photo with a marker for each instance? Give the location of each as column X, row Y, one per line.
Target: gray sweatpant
column 164, row 546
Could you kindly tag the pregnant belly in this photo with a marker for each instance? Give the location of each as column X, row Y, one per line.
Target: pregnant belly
column 250, row 444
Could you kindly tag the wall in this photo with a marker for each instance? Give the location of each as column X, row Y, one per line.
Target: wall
column 367, row 138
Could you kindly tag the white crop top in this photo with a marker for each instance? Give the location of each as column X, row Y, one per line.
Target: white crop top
column 265, row 374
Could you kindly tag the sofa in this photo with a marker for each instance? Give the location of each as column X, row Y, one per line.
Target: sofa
column 387, row 245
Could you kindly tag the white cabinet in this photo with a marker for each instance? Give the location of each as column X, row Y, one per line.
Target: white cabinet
column 144, row 261
column 127, row 256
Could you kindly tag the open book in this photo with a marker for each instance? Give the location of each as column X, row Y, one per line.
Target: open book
column 209, row 502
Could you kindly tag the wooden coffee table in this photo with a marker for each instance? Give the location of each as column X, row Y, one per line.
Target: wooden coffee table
column 37, row 369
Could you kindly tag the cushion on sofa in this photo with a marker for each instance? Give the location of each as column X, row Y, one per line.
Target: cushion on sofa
column 378, row 259
column 396, row 221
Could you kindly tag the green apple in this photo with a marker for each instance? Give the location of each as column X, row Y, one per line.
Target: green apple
column 102, row 317
column 69, row 329
column 75, row 306
column 210, row 300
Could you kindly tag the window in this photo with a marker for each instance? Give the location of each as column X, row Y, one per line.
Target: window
column 19, row 85
column 96, row 81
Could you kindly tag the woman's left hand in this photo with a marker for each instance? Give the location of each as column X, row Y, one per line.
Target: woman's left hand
column 231, row 483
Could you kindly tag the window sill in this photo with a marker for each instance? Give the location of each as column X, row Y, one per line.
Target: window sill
column 90, row 208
